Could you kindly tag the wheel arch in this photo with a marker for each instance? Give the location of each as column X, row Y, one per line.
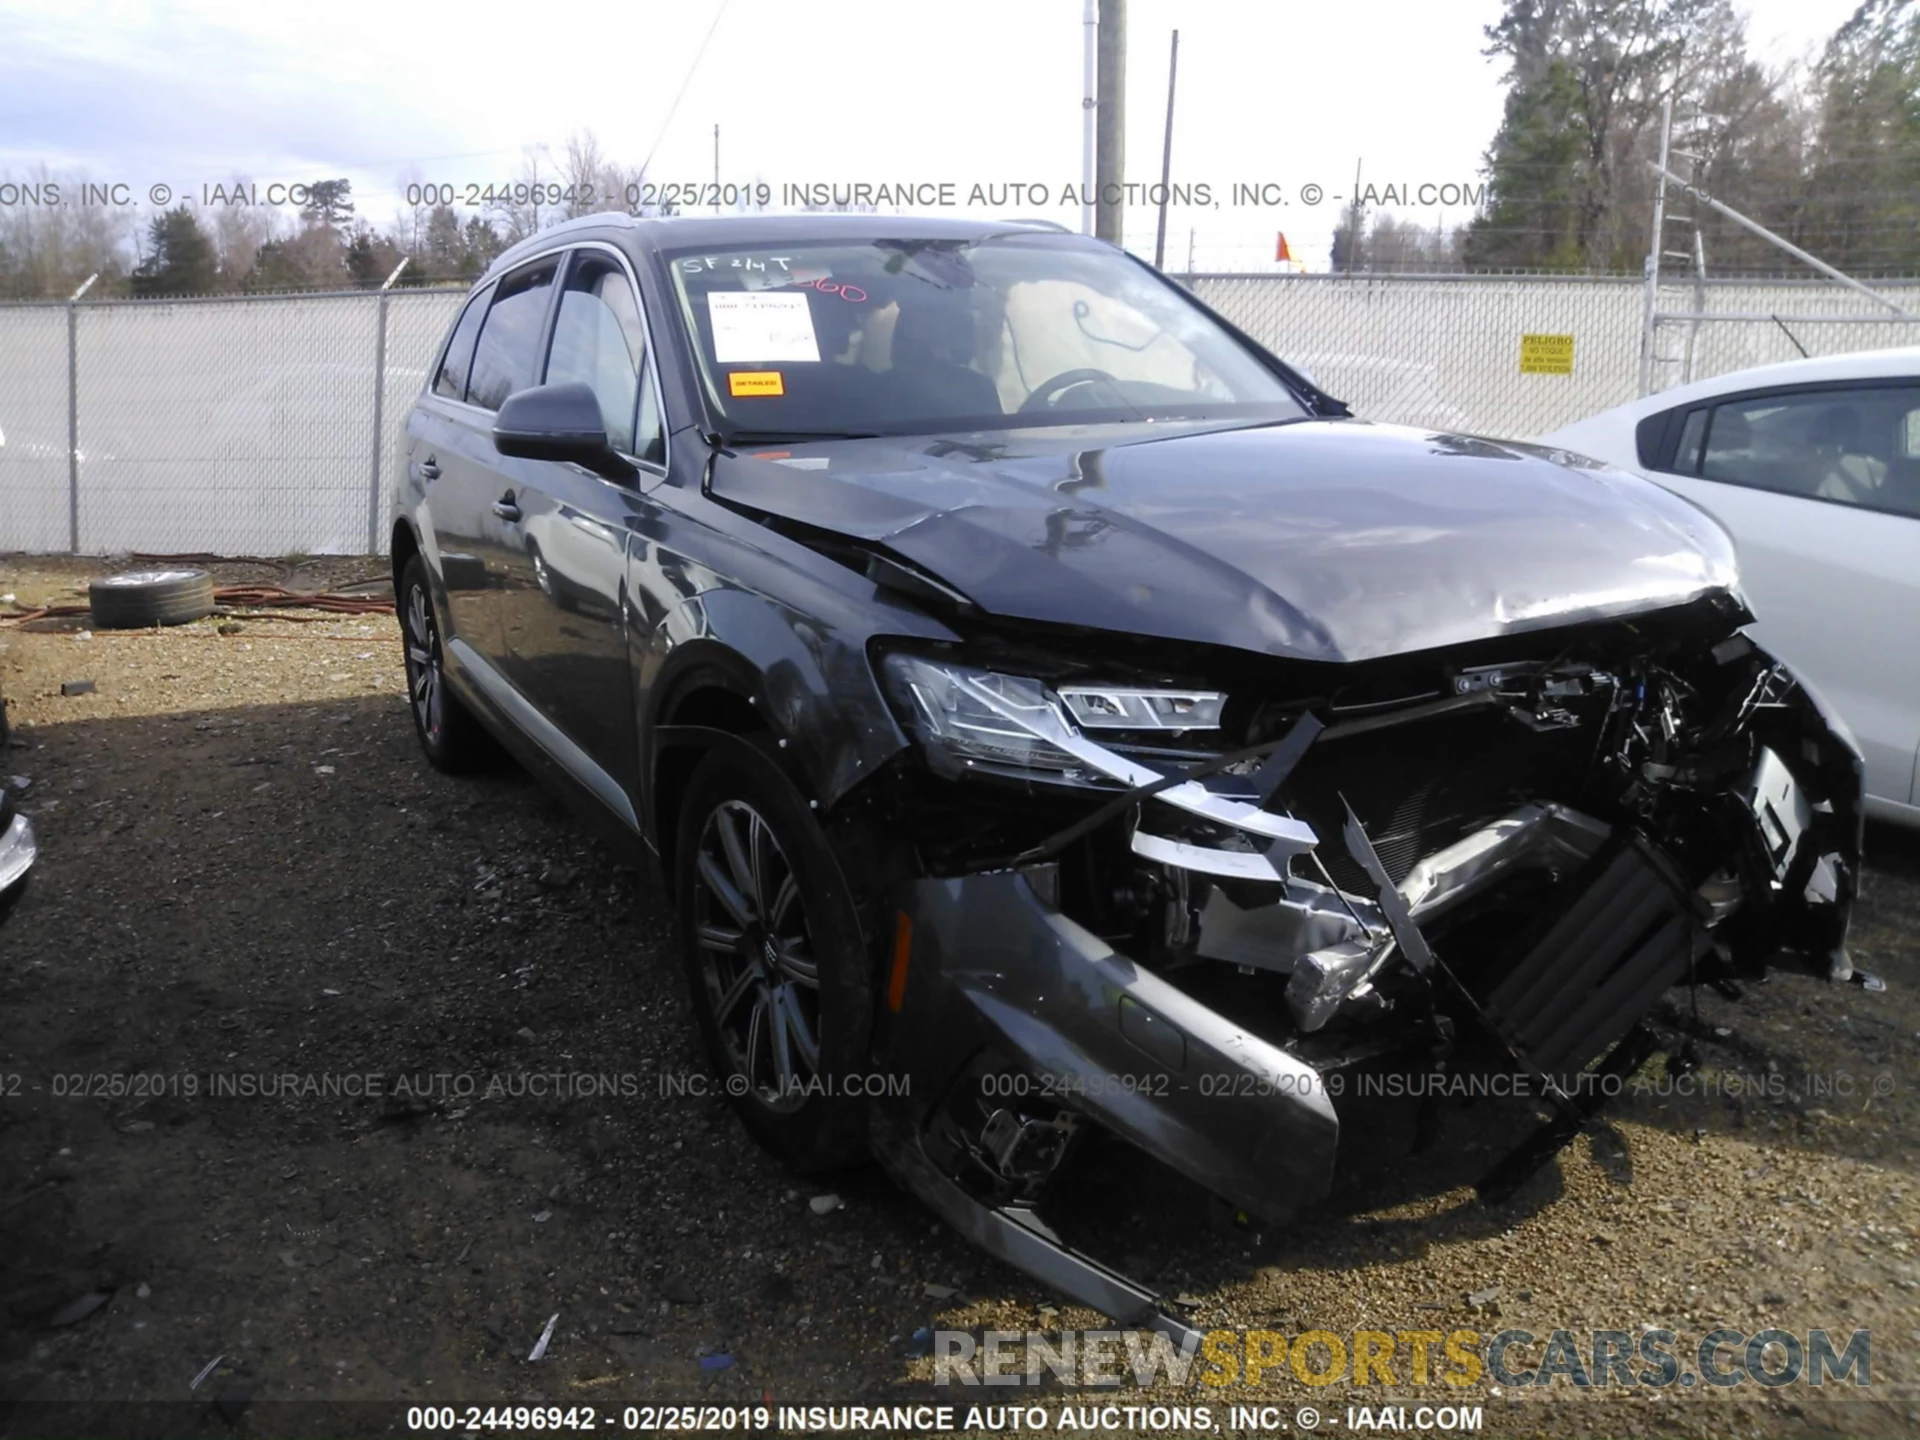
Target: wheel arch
column 404, row 545
column 731, row 661
column 711, row 694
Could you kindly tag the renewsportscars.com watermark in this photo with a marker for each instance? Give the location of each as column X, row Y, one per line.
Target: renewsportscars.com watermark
column 1652, row 1357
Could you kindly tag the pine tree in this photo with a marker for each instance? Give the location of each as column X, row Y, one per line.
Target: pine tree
column 1863, row 206
column 1534, row 177
column 180, row 259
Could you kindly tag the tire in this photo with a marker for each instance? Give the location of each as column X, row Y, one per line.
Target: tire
column 796, row 972
column 141, row 598
column 451, row 738
column 546, row 581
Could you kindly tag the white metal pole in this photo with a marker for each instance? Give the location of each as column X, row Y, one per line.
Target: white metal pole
column 379, row 406
column 1653, row 250
column 73, row 414
column 1787, row 245
column 1699, row 299
column 1090, row 33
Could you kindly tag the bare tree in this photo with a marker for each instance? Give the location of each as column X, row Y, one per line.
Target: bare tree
column 523, row 209
column 410, row 224
column 63, row 233
column 239, row 231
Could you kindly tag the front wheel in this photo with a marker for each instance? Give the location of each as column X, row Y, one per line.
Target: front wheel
column 774, row 958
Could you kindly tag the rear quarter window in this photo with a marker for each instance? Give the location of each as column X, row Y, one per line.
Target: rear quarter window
column 451, row 381
column 507, row 356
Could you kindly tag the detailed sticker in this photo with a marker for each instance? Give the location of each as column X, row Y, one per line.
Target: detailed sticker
column 1546, row 354
column 756, row 382
column 761, row 326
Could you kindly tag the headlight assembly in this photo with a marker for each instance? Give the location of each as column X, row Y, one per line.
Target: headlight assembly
column 969, row 719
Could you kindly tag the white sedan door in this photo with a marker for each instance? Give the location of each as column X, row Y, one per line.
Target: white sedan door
column 1821, row 492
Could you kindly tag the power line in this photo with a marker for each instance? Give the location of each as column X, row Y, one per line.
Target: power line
column 686, row 81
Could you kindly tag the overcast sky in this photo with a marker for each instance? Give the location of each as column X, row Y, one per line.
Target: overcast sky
column 987, row 93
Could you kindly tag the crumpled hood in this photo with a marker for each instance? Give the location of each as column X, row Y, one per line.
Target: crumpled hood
column 1333, row 540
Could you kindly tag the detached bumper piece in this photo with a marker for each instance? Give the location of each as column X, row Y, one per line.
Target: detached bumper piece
column 18, row 848
column 998, row 974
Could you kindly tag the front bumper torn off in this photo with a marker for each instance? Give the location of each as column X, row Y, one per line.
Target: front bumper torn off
column 996, row 965
column 1495, row 929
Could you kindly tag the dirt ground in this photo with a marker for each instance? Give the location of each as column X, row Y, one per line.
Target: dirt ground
column 250, row 882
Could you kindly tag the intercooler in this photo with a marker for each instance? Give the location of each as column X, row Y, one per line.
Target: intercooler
column 1596, row 967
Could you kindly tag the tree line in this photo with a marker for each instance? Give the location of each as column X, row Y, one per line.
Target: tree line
column 215, row 249
column 1826, row 155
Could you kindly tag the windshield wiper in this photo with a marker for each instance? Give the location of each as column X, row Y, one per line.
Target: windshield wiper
column 731, row 438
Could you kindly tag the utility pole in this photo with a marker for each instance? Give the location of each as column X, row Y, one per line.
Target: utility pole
column 1166, row 159
column 1089, row 106
column 1109, row 210
column 716, row 167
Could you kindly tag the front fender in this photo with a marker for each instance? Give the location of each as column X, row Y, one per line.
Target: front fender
column 809, row 680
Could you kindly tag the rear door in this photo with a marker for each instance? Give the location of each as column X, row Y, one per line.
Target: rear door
column 506, row 358
column 446, row 441
column 1820, row 488
column 565, row 601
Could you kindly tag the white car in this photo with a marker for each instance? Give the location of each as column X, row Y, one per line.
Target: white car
column 1814, row 468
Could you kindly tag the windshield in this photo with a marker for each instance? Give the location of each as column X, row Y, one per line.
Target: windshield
column 911, row 336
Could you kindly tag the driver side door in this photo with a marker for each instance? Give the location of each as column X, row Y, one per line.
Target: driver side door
column 566, row 603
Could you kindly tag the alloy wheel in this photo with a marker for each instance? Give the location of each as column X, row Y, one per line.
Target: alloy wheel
column 423, row 662
column 761, row 978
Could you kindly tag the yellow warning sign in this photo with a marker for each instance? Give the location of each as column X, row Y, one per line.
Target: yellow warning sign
column 1546, row 354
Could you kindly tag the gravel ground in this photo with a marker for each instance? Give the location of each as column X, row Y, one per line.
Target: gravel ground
column 248, row 873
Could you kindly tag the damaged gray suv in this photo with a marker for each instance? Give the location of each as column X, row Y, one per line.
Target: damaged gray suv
column 1038, row 694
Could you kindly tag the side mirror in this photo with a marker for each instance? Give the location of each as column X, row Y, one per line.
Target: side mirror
column 557, row 422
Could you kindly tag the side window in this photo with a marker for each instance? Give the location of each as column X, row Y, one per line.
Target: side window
column 1686, row 455
column 600, row 340
column 452, row 379
column 650, row 432
column 1853, row 446
column 508, row 355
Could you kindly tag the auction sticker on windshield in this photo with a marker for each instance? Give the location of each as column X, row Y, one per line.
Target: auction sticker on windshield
column 756, row 382
column 760, row 326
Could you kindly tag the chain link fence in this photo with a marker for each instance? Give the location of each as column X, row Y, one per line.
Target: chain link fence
column 1445, row 351
column 1710, row 329
column 247, row 425
column 236, row 426
column 34, row 456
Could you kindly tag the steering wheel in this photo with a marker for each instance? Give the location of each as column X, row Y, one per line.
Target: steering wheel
column 1048, row 391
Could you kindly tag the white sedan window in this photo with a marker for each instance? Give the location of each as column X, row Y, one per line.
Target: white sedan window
column 1852, row 447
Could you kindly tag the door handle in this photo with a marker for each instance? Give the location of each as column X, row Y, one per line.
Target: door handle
column 506, row 509
column 429, row 469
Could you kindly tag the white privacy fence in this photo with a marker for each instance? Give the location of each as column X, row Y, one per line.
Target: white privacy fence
column 271, row 425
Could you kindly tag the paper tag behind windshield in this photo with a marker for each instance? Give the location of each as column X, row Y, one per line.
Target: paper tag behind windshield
column 761, row 326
